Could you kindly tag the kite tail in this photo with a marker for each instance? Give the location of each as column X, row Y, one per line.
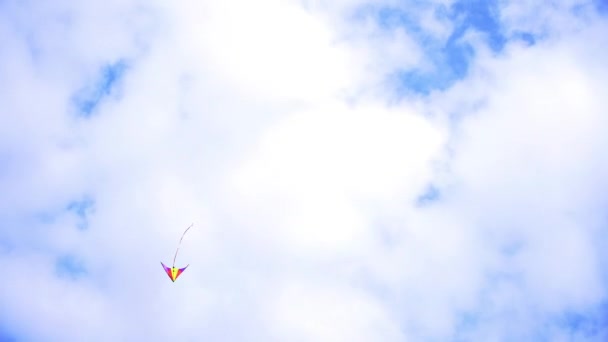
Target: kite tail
column 180, row 242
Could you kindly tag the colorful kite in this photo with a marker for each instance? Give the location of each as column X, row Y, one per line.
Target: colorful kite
column 174, row 272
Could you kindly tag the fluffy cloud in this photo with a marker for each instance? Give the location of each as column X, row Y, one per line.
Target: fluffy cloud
column 275, row 128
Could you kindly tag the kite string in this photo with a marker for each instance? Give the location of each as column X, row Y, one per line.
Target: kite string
column 180, row 242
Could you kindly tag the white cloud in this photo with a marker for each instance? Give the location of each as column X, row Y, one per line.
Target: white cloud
column 526, row 164
column 305, row 311
column 310, row 168
column 267, row 125
column 269, row 49
column 544, row 18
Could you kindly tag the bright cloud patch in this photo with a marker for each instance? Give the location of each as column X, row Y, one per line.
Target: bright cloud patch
column 313, row 165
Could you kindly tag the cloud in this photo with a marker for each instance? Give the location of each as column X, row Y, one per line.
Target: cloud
column 333, row 198
column 312, row 166
column 531, row 182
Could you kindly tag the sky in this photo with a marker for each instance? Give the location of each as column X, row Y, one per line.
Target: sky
column 355, row 171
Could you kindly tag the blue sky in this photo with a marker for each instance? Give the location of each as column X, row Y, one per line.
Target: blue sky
column 355, row 171
column 87, row 100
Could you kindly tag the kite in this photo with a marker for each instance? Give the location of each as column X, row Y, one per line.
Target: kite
column 174, row 272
